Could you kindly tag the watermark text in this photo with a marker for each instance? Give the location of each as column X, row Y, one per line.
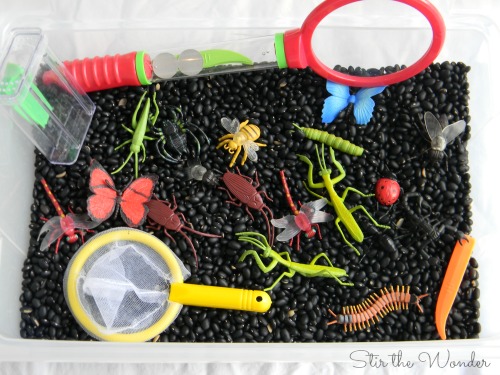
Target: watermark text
column 438, row 359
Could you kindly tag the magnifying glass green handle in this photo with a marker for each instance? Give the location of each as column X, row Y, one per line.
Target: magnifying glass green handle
column 219, row 297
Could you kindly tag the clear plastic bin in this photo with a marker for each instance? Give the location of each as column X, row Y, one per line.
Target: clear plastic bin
column 96, row 28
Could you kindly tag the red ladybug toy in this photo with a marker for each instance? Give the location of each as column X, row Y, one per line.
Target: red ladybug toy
column 387, row 191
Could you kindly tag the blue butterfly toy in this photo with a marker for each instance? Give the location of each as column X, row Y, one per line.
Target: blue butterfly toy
column 341, row 98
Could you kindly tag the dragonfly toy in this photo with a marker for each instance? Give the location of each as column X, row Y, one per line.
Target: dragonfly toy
column 304, row 220
column 69, row 225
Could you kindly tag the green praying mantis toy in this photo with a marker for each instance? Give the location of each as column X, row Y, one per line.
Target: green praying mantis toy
column 344, row 214
column 307, row 270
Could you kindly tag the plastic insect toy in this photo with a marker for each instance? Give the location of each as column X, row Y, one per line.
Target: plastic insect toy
column 306, row 220
column 241, row 188
column 382, row 239
column 331, row 140
column 173, row 135
column 242, row 136
column 451, row 282
column 344, row 215
column 107, row 200
column 196, row 171
column 422, row 225
column 138, row 131
column 341, row 98
column 63, row 225
column 441, row 134
column 375, row 307
column 387, row 191
column 164, row 214
column 307, row 270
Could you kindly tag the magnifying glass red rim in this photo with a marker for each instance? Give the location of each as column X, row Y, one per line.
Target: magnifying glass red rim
column 299, row 52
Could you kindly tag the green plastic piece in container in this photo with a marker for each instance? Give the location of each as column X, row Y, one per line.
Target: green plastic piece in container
column 30, row 108
column 214, row 57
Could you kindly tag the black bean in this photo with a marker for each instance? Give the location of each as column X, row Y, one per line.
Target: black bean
column 427, row 105
column 45, row 209
column 285, row 335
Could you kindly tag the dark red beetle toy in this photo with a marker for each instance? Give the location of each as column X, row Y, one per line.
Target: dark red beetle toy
column 240, row 187
column 163, row 215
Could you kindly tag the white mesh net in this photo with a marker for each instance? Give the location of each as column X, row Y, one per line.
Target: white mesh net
column 124, row 287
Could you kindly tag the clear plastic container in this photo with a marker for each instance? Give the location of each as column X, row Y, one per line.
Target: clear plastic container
column 55, row 119
column 98, row 28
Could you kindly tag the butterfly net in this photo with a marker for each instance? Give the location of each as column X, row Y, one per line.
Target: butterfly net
column 124, row 286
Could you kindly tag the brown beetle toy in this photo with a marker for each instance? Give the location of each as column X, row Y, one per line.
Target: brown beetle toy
column 241, row 188
column 163, row 214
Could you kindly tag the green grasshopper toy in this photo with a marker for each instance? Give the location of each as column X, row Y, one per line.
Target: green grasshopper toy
column 307, row 270
column 344, row 214
column 138, row 131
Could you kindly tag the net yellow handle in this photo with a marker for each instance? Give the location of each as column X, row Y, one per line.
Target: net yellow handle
column 220, row 297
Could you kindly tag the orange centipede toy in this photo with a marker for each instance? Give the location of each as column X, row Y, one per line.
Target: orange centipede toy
column 375, row 307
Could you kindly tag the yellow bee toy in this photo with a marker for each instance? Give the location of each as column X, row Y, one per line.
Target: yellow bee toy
column 242, row 135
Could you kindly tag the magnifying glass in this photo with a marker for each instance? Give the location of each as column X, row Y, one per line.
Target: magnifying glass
column 291, row 49
column 126, row 285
